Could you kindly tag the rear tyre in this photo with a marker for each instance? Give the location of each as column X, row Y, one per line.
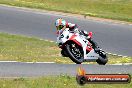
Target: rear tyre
column 75, row 52
column 103, row 59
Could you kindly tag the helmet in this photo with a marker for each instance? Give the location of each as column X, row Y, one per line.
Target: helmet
column 60, row 23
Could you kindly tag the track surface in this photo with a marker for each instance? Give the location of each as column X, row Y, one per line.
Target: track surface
column 40, row 69
column 113, row 38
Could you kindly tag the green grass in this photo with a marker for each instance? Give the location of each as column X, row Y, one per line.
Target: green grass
column 113, row 9
column 24, row 49
column 62, row 81
column 114, row 59
column 18, row 48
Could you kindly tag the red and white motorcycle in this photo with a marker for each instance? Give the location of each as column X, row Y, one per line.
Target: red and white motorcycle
column 78, row 48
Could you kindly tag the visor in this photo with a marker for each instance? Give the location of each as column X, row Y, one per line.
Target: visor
column 59, row 27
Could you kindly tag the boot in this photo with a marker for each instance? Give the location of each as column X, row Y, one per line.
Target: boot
column 95, row 45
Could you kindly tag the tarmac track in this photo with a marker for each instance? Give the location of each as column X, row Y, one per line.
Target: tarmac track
column 112, row 37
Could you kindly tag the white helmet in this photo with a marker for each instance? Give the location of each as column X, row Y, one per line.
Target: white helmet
column 60, row 23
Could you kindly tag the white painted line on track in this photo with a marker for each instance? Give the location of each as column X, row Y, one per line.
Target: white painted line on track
column 23, row 62
column 116, row 64
column 7, row 61
column 121, row 64
column 9, row 77
column 117, row 55
column 39, row 62
column 125, row 56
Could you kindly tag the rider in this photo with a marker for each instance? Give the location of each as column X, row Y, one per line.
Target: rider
column 61, row 24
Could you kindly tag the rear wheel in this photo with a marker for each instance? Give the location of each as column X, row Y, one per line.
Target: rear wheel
column 75, row 52
column 103, row 59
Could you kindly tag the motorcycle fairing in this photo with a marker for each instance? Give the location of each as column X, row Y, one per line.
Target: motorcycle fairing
column 92, row 55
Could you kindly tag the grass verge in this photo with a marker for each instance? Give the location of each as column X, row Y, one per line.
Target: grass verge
column 23, row 49
column 112, row 9
column 62, row 81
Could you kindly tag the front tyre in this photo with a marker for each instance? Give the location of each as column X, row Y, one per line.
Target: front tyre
column 64, row 53
column 103, row 59
column 75, row 52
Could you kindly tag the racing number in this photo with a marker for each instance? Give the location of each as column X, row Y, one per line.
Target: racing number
column 61, row 36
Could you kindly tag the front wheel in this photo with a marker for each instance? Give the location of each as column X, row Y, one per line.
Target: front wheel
column 75, row 52
column 64, row 53
column 103, row 59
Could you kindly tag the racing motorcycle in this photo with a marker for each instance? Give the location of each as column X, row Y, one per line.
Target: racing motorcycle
column 78, row 48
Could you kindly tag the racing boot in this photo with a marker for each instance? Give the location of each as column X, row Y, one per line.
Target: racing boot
column 95, row 45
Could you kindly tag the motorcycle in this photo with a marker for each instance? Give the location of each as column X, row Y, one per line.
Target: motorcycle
column 78, row 48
